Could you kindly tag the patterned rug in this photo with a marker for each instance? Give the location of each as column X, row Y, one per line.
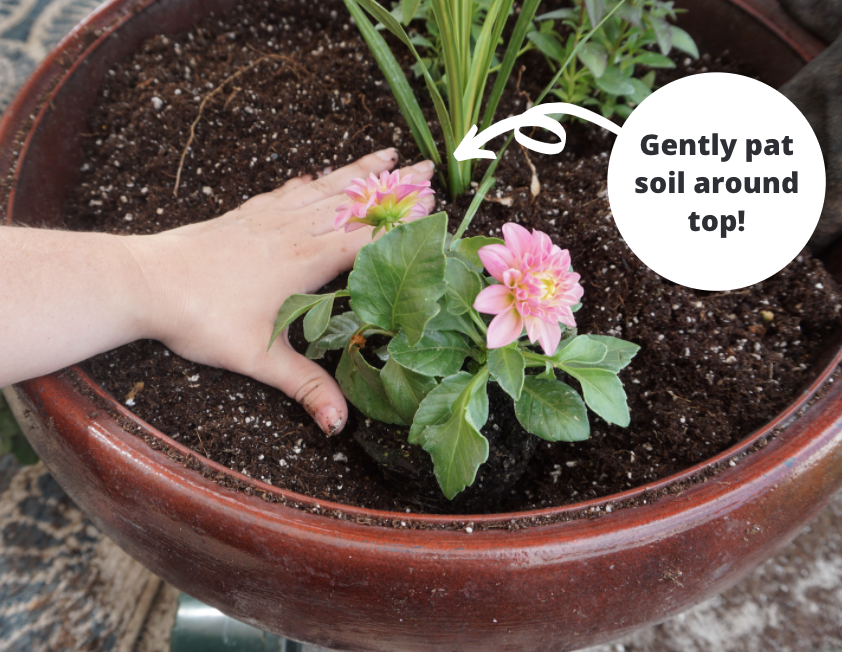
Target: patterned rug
column 63, row 586
column 28, row 31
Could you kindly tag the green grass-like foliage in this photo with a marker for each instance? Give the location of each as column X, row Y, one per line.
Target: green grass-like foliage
column 456, row 65
column 12, row 439
column 416, row 287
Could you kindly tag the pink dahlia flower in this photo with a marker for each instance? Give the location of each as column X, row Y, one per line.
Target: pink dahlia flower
column 382, row 202
column 536, row 290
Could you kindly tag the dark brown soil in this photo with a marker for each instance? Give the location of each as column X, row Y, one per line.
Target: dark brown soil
column 712, row 367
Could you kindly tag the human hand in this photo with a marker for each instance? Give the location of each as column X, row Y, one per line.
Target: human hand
column 214, row 287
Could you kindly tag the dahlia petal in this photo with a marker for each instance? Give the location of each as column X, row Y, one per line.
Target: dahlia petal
column 518, row 239
column 543, row 244
column 356, row 193
column 353, row 226
column 566, row 317
column 493, row 300
column 505, row 328
column 341, row 219
column 550, row 337
column 496, row 259
column 511, row 277
column 419, row 210
column 534, row 327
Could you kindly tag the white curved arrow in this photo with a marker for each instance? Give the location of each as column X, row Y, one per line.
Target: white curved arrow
column 537, row 116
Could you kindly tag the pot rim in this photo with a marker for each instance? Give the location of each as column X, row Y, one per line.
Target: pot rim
column 46, row 81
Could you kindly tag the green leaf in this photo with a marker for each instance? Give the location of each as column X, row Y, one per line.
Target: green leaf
column 681, row 40
column 408, row 10
column 435, row 409
column 361, row 384
column 397, row 80
column 548, row 373
column 401, row 89
column 603, row 392
column 398, row 280
column 447, row 321
column 463, row 286
column 631, row 13
column 548, row 45
column 594, row 56
column 386, row 18
column 641, row 91
column 663, row 33
column 295, row 306
column 469, row 248
column 317, row 320
column 618, row 355
column 507, row 366
column 558, row 14
column 339, row 331
column 653, row 60
column 314, row 351
column 438, row 353
column 405, row 388
column 595, row 9
column 552, row 410
column 581, row 350
column 623, row 110
column 649, row 79
column 424, row 42
column 483, row 52
column 456, row 446
column 522, row 27
column 614, row 82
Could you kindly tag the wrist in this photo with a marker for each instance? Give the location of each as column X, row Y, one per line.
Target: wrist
column 155, row 265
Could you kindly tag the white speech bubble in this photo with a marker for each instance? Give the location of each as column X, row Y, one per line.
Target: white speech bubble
column 745, row 114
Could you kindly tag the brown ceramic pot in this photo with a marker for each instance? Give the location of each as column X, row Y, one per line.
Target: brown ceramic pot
column 345, row 585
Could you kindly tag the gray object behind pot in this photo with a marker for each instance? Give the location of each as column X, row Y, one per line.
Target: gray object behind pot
column 817, row 92
column 822, row 17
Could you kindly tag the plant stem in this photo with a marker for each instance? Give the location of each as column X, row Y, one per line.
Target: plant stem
column 482, row 191
column 537, row 358
column 479, row 322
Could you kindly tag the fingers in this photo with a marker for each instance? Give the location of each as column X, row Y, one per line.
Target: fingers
column 306, row 382
column 336, row 182
column 291, row 185
column 320, row 221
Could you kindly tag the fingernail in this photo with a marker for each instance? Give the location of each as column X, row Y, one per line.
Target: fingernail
column 387, row 154
column 329, row 420
column 424, row 166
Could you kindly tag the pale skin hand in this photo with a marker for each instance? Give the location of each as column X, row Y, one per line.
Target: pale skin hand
column 209, row 291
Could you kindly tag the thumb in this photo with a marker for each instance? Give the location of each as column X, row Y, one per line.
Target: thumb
column 305, row 382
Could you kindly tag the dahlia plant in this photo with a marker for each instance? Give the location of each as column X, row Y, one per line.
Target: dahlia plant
column 435, row 317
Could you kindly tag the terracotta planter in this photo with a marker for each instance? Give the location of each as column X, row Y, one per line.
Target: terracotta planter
column 350, row 586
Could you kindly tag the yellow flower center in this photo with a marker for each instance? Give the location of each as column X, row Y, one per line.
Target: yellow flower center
column 549, row 287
